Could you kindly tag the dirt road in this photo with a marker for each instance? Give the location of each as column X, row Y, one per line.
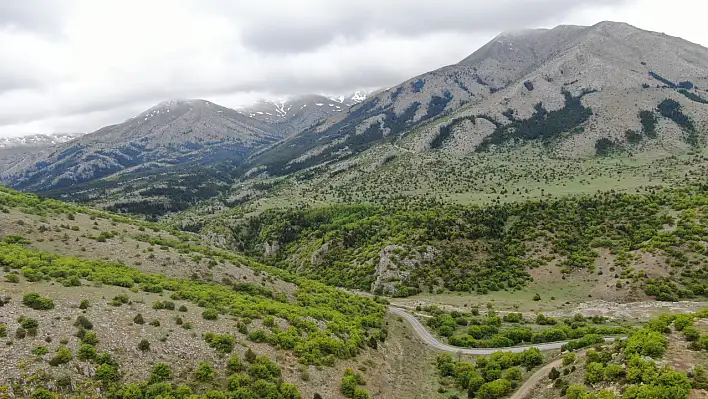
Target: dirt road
column 429, row 339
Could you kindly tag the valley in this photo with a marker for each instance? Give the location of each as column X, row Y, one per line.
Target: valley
column 527, row 223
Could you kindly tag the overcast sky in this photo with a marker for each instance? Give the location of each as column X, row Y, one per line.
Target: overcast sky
column 77, row 65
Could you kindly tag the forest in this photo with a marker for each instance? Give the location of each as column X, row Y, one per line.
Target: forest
column 488, row 248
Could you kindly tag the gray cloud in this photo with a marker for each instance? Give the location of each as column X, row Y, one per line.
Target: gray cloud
column 277, row 32
column 36, row 15
column 75, row 65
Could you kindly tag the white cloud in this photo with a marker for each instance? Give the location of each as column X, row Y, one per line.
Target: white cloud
column 76, row 65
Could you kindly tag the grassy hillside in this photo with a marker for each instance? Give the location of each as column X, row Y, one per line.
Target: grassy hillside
column 651, row 241
column 92, row 310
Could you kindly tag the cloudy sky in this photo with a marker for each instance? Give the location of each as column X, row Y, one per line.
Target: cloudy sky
column 77, row 65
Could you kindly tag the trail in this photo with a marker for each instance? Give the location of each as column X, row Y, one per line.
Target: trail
column 430, row 340
column 528, row 385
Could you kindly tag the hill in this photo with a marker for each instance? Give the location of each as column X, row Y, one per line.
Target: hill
column 97, row 303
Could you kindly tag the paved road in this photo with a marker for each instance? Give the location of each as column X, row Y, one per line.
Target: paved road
column 429, row 339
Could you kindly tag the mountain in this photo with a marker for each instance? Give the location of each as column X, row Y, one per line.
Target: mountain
column 18, row 149
column 299, row 113
column 171, row 133
column 185, row 140
column 37, row 140
column 574, row 85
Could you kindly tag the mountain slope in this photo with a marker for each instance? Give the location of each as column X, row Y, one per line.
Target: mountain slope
column 18, row 149
column 171, row 133
column 299, row 113
column 577, row 91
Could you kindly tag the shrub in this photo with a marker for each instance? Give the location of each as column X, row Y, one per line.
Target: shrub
column 28, row 323
column 237, row 381
column 182, row 308
column 106, row 373
column 89, row 338
column 537, row 297
column 83, row 322
column 86, row 352
column 223, row 343
column 568, row 359
column 614, row 372
column 43, row 393
column 144, row 345
column 157, row 305
column 84, row 304
column 210, row 314
column 594, row 373
column 494, row 389
column 37, row 302
column 691, row 333
column 234, row 365
column 531, row 358
column 204, row 372
column 349, row 384
column 3, row 330
column 63, row 356
column 360, row 393
column 138, row 319
column 250, row 356
column 155, row 323
column 40, row 350
column 646, row 343
column 160, row 372
column 12, row 278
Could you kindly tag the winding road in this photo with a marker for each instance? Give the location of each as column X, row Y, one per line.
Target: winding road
column 430, row 340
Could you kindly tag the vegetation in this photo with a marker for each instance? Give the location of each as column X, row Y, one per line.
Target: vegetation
column 629, row 366
column 351, row 321
column 490, row 377
column 542, row 125
column 483, row 249
column 671, row 109
column 35, row 301
column 492, row 331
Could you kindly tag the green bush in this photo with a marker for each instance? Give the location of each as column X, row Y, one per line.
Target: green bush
column 62, row 356
column 494, row 389
column 160, row 372
column 84, row 304
column 204, row 372
column 138, row 319
column 86, row 352
column 37, row 302
column 83, row 322
column 223, row 343
column 40, row 350
column 144, row 345
column 43, row 393
column 234, row 365
column 106, row 373
column 89, row 338
column 210, row 314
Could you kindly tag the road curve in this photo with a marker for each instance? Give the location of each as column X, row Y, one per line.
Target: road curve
column 430, row 340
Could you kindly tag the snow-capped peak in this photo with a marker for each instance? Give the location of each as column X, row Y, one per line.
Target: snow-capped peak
column 37, row 140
